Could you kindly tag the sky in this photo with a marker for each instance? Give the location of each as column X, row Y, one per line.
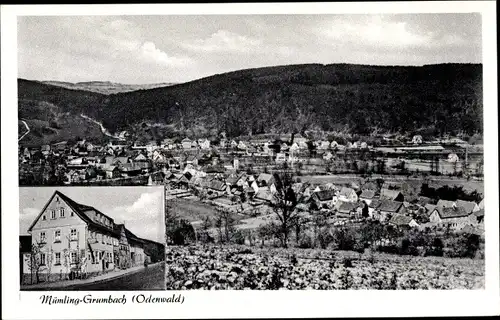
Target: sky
column 181, row 48
column 140, row 208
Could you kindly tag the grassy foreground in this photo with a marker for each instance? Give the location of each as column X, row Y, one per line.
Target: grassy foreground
column 241, row 267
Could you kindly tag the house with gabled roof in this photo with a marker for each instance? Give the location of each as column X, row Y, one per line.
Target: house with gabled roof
column 325, row 198
column 393, row 195
column 453, row 217
column 400, row 220
column 348, row 195
column 75, row 237
column 469, row 206
column 387, row 208
column 346, row 209
column 367, row 196
column 264, row 195
column 265, row 179
column 481, row 204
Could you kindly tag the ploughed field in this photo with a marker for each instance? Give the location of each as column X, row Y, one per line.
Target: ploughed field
column 240, row 267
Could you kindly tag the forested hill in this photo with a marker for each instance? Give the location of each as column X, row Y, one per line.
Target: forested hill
column 358, row 98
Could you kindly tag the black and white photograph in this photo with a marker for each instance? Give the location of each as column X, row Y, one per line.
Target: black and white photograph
column 364, row 174
column 91, row 238
column 187, row 159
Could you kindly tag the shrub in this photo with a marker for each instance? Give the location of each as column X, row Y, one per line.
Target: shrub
column 238, row 237
column 306, row 242
column 347, row 262
column 325, row 238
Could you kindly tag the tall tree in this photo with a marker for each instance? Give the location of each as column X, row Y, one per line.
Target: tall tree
column 284, row 202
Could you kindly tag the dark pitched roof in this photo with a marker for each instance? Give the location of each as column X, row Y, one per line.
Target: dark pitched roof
column 467, row 205
column 132, row 237
column 217, row 185
column 390, row 206
column 325, row 195
column 346, row 191
column 233, row 179
column 451, row 212
column 367, row 194
column 445, row 203
column 400, row 220
column 375, row 203
column 389, row 194
column 347, row 207
column 479, row 213
column 80, row 210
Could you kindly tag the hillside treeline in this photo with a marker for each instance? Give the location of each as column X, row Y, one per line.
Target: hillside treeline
column 444, row 98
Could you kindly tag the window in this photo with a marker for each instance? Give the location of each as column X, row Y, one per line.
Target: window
column 101, row 254
column 61, row 212
column 42, row 259
column 44, row 217
column 57, row 236
column 102, row 238
column 73, row 257
column 58, row 258
column 57, row 199
column 42, row 237
column 73, row 234
column 53, row 214
column 72, row 214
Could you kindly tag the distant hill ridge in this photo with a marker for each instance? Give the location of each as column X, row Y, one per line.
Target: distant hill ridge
column 355, row 98
column 105, row 87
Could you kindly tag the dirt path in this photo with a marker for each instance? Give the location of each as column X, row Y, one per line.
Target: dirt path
column 27, row 128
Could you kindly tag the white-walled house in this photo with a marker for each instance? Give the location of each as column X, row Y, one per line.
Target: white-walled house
column 454, row 217
column 73, row 237
column 348, row 195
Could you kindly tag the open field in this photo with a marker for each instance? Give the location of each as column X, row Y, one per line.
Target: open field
column 191, row 209
column 468, row 185
column 239, row 267
column 67, row 128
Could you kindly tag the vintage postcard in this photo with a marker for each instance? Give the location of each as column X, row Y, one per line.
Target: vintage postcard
column 91, row 238
column 316, row 160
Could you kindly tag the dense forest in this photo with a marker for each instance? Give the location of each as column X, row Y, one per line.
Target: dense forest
column 445, row 98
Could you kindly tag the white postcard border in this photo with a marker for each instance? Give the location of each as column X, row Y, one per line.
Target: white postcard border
column 203, row 304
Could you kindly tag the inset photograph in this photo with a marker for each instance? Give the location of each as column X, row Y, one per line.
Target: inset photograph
column 91, row 238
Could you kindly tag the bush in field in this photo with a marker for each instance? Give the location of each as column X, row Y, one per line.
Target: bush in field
column 344, row 238
column 238, row 237
column 408, row 248
column 183, row 233
column 436, row 249
column 306, row 242
column 325, row 238
column 462, row 246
